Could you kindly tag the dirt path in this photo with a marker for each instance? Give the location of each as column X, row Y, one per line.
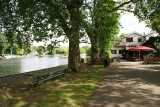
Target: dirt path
column 128, row 85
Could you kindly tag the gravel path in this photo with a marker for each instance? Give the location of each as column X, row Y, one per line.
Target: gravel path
column 128, row 85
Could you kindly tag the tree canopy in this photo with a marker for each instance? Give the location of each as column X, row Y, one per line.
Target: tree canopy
column 149, row 11
column 107, row 25
column 25, row 21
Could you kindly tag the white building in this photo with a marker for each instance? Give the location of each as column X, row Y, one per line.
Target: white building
column 129, row 40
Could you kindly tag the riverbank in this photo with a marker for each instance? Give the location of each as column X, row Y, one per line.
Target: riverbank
column 70, row 90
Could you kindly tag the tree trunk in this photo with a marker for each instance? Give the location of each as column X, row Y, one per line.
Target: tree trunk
column 94, row 50
column 74, row 53
column 73, row 34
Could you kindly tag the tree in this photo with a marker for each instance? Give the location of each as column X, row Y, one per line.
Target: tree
column 35, row 16
column 40, row 50
column 108, row 26
column 101, row 26
column 68, row 15
column 89, row 24
column 34, row 19
column 13, row 25
column 3, row 43
column 149, row 11
column 64, row 14
column 154, row 42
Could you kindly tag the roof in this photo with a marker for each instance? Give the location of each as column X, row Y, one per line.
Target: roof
column 140, row 48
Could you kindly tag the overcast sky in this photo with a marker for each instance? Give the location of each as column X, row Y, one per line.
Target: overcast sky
column 130, row 23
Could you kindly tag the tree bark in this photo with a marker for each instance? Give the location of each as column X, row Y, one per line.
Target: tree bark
column 74, row 53
column 95, row 58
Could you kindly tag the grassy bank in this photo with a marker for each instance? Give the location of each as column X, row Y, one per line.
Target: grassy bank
column 72, row 90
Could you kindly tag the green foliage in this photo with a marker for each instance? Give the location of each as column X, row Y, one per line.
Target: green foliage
column 83, row 50
column 40, row 50
column 9, row 44
column 102, row 25
column 154, row 42
column 20, row 51
column 62, row 15
column 50, row 50
column 41, row 20
column 149, row 11
column 107, row 25
column 63, row 51
column 3, row 43
column 88, row 52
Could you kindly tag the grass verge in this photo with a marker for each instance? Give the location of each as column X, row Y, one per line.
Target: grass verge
column 72, row 90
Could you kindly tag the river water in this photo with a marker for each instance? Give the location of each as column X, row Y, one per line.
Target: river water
column 30, row 63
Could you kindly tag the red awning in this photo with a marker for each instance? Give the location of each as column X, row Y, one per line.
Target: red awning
column 140, row 48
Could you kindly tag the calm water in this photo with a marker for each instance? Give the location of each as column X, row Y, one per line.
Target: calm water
column 27, row 64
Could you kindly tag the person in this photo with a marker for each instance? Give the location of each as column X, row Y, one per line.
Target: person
column 106, row 62
column 82, row 60
column 83, row 67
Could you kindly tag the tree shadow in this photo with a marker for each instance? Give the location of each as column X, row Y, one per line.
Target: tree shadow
column 70, row 91
column 149, row 75
column 125, row 86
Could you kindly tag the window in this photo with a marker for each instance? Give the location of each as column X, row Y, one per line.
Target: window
column 130, row 39
column 114, row 51
column 120, row 51
column 139, row 39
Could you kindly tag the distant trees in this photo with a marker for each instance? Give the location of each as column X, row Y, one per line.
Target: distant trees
column 3, row 44
column 40, row 50
column 50, row 49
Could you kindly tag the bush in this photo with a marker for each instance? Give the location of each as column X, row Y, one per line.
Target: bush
column 83, row 50
column 61, row 51
column 88, row 52
column 40, row 50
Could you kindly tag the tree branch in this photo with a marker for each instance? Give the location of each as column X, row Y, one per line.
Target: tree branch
column 123, row 4
column 131, row 11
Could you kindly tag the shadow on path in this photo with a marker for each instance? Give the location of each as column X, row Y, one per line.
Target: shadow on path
column 128, row 86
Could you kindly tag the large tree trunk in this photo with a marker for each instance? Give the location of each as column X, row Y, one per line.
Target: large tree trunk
column 73, row 33
column 74, row 53
column 94, row 50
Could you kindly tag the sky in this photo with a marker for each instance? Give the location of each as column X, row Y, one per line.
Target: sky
column 130, row 23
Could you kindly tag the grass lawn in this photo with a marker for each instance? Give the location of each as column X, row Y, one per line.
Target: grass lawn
column 72, row 90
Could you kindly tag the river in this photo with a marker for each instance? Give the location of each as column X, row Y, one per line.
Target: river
column 30, row 63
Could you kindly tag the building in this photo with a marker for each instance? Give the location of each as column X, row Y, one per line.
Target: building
column 121, row 46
